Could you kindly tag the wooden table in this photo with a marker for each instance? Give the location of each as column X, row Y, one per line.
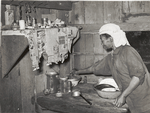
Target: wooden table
column 69, row 104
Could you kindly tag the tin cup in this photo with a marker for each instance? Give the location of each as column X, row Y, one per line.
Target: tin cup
column 65, row 86
column 22, row 24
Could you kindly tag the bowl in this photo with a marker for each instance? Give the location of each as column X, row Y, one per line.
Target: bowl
column 74, row 81
column 102, row 91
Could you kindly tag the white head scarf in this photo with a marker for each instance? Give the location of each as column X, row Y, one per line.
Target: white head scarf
column 116, row 33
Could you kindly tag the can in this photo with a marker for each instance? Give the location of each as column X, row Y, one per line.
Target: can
column 22, row 24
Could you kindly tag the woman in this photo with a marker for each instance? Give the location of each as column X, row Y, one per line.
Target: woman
column 127, row 68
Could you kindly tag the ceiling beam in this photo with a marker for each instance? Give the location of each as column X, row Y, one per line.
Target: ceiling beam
column 59, row 5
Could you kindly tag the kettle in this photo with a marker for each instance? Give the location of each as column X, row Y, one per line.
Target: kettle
column 52, row 81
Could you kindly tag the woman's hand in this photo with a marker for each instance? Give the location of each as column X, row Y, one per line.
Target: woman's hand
column 120, row 101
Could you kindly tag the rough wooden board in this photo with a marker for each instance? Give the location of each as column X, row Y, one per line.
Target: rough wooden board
column 76, row 15
column 112, row 11
column 23, row 16
column 16, row 13
column 38, row 15
column 125, row 7
column 79, row 46
column 93, row 12
column 89, row 60
column 60, row 5
column 11, row 86
column 98, row 57
column 136, row 6
column 5, row 102
column 88, row 43
column 69, row 104
column 3, row 13
column 65, row 68
column 79, row 61
column 94, row 28
column 63, row 15
column 0, row 78
column 146, row 6
column 15, row 91
column 27, row 83
column 41, row 81
column 135, row 11
column 141, row 18
column 97, row 44
column 10, row 51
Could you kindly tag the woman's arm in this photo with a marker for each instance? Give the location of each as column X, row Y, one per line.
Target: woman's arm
column 88, row 70
column 135, row 81
column 101, row 67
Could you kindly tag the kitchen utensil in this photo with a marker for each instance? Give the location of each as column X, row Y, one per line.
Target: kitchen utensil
column 102, row 86
column 106, row 94
column 109, row 81
column 65, row 86
column 78, row 93
column 52, row 81
column 74, row 81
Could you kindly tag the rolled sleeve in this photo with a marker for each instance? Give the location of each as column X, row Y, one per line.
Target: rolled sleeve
column 135, row 64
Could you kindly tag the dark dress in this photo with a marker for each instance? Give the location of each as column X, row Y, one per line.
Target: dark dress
column 123, row 65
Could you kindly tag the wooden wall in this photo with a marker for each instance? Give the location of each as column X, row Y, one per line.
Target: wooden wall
column 91, row 15
column 22, row 83
column 129, row 15
column 20, row 86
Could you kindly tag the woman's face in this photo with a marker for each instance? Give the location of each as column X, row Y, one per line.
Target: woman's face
column 107, row 42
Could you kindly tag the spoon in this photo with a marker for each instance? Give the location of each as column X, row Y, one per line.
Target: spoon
column 78, row 93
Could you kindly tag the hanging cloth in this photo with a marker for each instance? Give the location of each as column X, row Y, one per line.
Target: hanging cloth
column 55, row 42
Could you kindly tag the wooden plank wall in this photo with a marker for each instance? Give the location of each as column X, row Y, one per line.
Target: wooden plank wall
column 23, row 83
column 91, row 15
column 129, row 15
column 11, row 86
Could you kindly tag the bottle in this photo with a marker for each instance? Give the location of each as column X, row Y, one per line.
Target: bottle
column 33, row 22
column 29, row 23
column 44, row 22
column 9, row 15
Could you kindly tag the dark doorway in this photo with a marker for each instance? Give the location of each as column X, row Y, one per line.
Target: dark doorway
column 140, row 40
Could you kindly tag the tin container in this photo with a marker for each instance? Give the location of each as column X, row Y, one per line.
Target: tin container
column 65, row 86
column 52, row 82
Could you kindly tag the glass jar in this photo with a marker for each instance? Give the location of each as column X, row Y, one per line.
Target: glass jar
column 52, row 82
column 65, row 86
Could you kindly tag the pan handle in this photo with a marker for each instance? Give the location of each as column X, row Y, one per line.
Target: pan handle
column 85, row 99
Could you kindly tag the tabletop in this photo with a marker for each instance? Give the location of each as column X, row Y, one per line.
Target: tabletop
column 69, row 104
